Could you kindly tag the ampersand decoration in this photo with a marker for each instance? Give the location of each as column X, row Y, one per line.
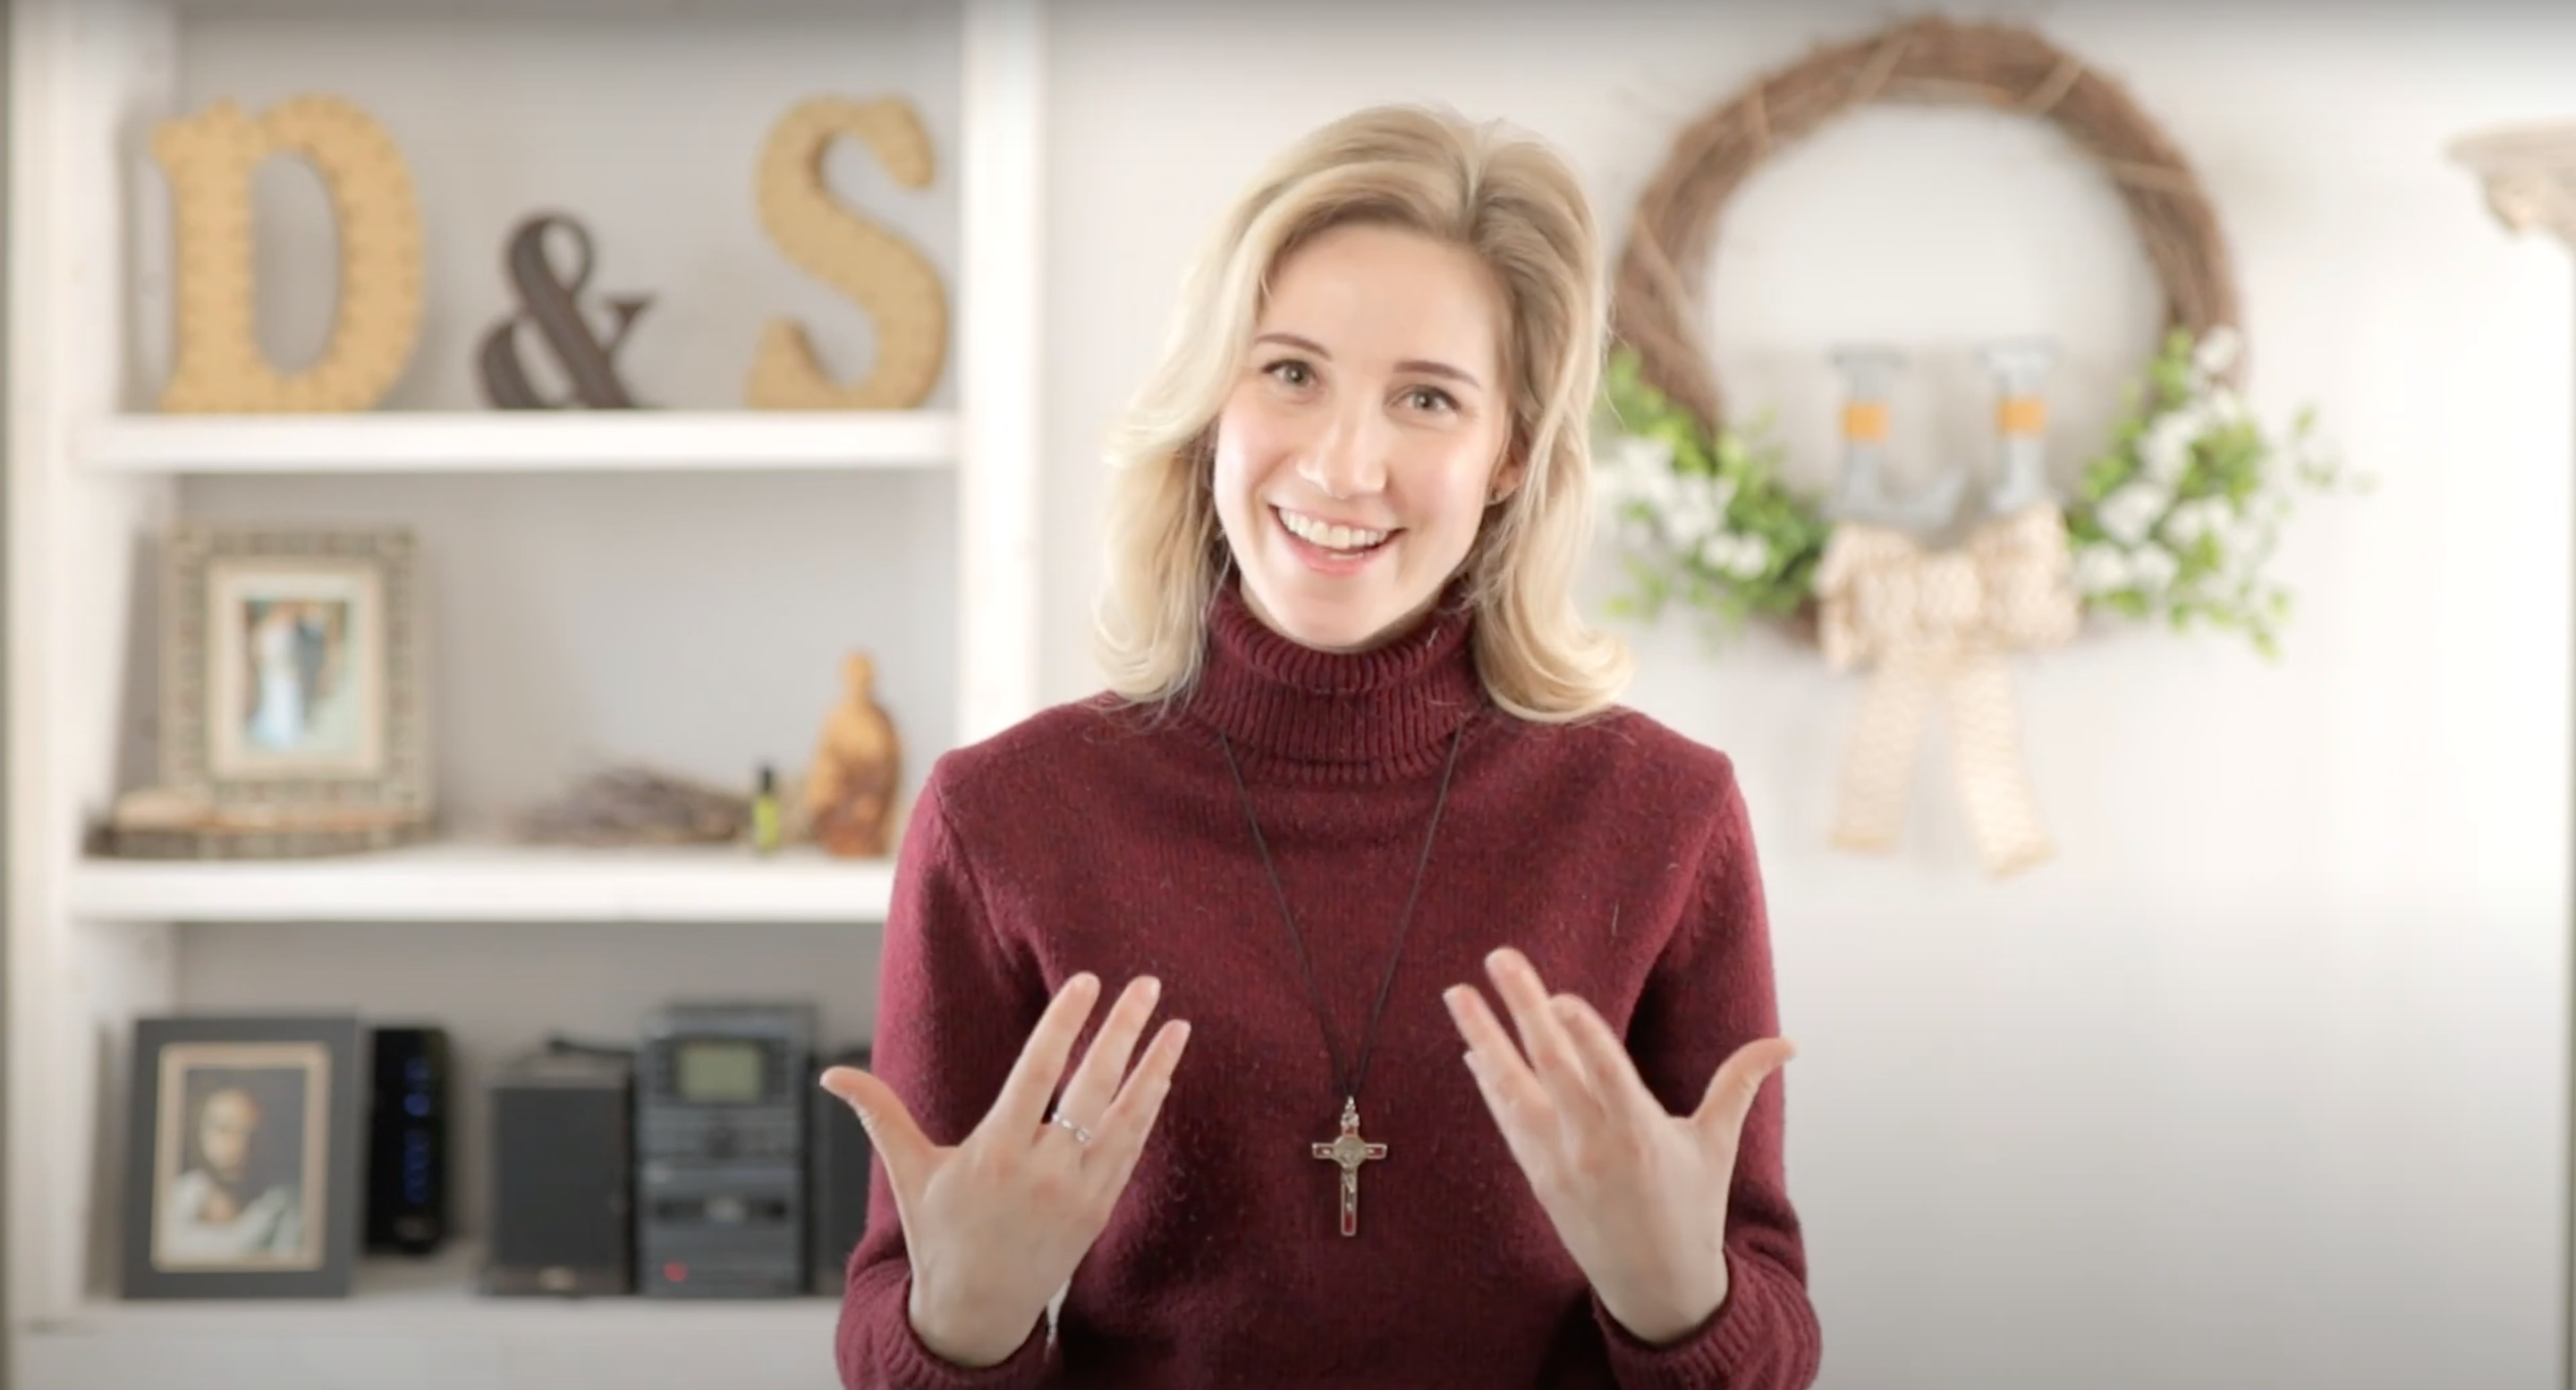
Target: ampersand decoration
column 896, row 284
column 209, row 159
column 551, row 302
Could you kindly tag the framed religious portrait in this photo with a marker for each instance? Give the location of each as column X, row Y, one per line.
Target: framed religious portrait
column 242, row 1157
column 291, row 669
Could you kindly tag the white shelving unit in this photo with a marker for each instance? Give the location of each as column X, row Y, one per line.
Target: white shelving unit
column 531, row 442
column 489, row 882
column 93, row 474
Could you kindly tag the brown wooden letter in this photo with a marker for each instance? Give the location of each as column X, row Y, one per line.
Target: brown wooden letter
column 209, row 158
column 895, row 283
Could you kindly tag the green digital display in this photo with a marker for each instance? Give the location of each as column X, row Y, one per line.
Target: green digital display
column 716, row 1070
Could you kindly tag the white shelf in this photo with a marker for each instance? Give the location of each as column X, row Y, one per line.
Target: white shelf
column 519, row 441
column 93, row 476
column 438, row 1295
column 468, row 882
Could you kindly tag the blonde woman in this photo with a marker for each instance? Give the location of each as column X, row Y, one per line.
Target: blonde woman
column 1360, row 760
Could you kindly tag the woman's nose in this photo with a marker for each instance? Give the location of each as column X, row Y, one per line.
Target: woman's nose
column 1346, row 461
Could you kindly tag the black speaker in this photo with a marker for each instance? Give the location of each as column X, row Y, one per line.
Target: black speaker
column 407, row 1127
column 563, row 1176
column 838, row 1203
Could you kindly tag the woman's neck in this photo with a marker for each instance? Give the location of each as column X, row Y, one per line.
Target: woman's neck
column 1401, row 627
column 1387, row 710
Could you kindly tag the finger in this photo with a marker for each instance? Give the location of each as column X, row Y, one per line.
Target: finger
column 1551, row 1054
column 1514, row 1092
column 1739, row 1079
column 1087, row 1095
column 1022, row 1105
column 1606, row 1061
column 1120, row 1138
column 1523, row 1134
column 891, row 1132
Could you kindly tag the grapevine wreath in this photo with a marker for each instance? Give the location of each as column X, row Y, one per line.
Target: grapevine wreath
column 2173, row 519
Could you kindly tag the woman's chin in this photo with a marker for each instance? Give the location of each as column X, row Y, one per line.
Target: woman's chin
column 1334, row 627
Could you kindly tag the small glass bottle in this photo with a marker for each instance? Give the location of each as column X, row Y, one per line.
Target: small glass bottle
column 764, row 812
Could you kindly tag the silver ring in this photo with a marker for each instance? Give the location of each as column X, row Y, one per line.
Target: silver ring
column 1080, row 1135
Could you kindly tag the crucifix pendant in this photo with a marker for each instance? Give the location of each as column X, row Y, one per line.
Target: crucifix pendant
column 1350, row 1151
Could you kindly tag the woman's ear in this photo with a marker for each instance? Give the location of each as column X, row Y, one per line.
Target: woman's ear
column 1507, row 480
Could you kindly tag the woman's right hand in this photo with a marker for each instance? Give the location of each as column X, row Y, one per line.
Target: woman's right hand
column 995, row 1225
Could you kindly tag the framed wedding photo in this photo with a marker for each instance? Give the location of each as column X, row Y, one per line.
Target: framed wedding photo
column 242, row 1160
column 291, row 668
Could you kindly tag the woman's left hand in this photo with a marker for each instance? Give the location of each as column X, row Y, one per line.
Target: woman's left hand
column 1637, row 1194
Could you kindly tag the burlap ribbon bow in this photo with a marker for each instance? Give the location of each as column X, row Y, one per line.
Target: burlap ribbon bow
column 1941, row 623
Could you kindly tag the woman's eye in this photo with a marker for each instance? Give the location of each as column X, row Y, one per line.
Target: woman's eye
column 1290, row 372
column 1429, row 398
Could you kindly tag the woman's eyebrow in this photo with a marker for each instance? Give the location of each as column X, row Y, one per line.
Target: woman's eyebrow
column 1421, row 365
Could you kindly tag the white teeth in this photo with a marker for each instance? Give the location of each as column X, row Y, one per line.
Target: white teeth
column 1329, row 536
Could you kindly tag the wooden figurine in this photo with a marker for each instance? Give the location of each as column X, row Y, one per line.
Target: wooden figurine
column 850, row 791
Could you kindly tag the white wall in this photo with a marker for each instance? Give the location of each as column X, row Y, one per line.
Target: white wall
column 2260, row 1083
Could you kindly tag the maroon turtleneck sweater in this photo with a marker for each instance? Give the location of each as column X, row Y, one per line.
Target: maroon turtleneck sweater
column 1100, row 837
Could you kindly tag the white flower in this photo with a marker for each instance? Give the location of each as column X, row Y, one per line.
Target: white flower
column 1634, row 454
column 2189, row 521
column 2247, row 539
column 1736, row 555
column 1633, row 468
column 1688, row 518
column 2224, row 407
column 2217, row 352
column 1752, row 557
column 2153, row 567
column 2164, row 451
column 2129, row 514
column 2100, row 569
column 1696, row 507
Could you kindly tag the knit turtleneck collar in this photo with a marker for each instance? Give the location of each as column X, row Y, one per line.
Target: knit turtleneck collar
column 1393, row 706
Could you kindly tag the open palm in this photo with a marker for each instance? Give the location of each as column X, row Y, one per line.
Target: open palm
column 1637, row 1194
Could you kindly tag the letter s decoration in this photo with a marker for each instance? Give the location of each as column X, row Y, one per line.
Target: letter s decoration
column 895, row 283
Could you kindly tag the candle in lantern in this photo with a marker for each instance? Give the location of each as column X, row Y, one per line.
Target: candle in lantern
column 1861, row 493
column 2021, row 421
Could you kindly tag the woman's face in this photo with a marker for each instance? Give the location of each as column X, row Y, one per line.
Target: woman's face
column 1357, row 454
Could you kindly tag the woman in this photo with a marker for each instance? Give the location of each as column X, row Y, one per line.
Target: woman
column 1358, row 749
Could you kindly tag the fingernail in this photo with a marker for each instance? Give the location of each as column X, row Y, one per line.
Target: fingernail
column 1153, row 988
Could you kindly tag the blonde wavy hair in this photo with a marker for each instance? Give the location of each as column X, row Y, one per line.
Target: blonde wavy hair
column 1519, row 208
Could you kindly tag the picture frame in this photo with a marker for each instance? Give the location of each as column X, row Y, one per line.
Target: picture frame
column 243, row 1154
column 291, row 670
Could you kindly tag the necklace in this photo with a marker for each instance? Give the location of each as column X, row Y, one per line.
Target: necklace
column 1347, row 1150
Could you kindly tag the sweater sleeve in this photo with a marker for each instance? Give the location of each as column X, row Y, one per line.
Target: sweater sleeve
column 1711, row 993
column 953, row 1007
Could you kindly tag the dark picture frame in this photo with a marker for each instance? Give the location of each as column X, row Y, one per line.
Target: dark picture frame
column 243, row 1156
